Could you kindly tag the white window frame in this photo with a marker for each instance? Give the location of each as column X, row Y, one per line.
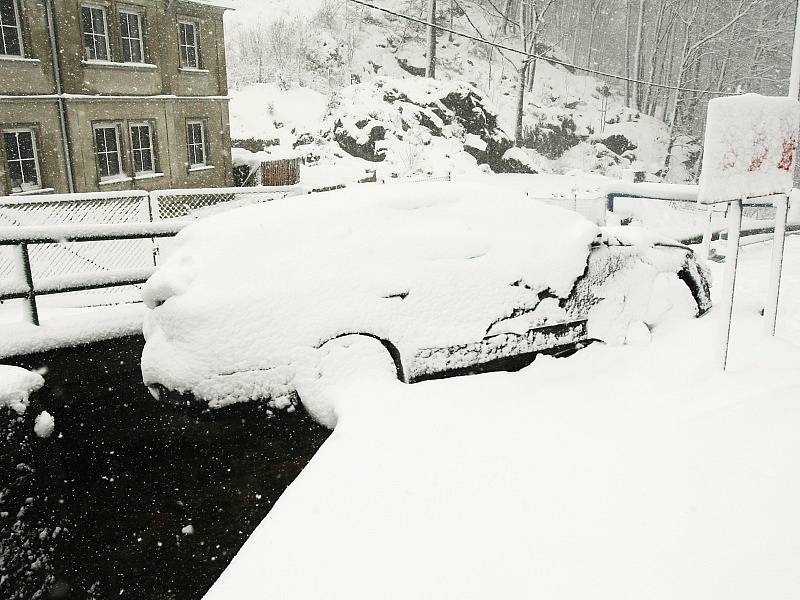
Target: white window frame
column 151, row 148
column 94, row 35
column 125, row 40
column 203, row 143
column 19, row 130
column 108, row 125
column 18, row 26
column 196, row 29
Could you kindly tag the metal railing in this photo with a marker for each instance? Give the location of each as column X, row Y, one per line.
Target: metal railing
column 684, row 197
column 23, row 237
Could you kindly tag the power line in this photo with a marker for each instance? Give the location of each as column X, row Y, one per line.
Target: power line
column 548, row 59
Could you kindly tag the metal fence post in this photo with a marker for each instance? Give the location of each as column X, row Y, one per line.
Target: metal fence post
column 729, row 282
column 33, row 311
column 708, row 233
column 150, row 214
column 776, row 264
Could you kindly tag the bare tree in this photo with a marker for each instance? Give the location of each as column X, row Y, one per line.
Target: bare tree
column 431, row 69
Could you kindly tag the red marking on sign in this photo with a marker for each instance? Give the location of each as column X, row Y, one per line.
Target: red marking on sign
column 761, row 146
column 787, row 154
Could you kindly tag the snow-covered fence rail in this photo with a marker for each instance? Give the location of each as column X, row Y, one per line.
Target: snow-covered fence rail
column 684, row 197
column 25, row 286
column 49, row 260
column 69, row 258
column 176, row 204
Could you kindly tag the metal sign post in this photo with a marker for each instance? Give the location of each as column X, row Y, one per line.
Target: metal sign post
column 750, row 147
column 729, row 283
column 782, row 206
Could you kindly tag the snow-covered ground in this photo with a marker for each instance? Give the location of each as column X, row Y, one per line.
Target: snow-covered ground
column 65, row 322
column 633, row 472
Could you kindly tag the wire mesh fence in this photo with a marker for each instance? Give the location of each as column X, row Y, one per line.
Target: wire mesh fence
column 197, row 203
column 48, row 260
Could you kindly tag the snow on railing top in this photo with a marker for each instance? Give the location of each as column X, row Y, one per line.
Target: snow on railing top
column 43, row 234
column 658, row 191
column 294, row 190
column 71, row 198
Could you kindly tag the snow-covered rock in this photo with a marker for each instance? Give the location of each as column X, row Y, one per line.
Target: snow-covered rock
column 415, row 123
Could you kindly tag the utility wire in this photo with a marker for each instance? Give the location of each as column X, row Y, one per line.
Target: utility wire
column 530, row 55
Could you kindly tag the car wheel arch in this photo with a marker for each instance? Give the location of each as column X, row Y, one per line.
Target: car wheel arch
column 388, row 345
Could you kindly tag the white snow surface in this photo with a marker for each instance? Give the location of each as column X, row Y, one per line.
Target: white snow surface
column 267, row 112
column 620, row 472
column 750, row 147
column 45, row 425
column 66, row 326
column 16, row 386
column 422, row 265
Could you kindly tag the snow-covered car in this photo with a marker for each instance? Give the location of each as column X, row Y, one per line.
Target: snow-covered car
column 444, row 276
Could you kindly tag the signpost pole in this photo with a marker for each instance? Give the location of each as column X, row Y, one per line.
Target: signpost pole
column 729, row 282
column 782, row 205
column 705, row 248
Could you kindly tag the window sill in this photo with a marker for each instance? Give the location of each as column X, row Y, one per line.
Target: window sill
column 140, row 176
column 22, row 59
column 112, row 181
column 201, row 168
column 194, row 71
column 33, row 192
column 118, row 65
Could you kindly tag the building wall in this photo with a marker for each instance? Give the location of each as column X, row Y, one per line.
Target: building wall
column 164, row 75
column 168, row 120
column 200, row 93
column 42, row 117
column 33, row 73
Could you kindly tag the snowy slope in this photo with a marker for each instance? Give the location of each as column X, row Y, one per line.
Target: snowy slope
column 346, row 42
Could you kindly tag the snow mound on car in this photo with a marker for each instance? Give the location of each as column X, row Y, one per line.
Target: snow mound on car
column 247, row 296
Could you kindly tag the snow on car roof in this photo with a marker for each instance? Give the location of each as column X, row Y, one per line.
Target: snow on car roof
column 432, row 263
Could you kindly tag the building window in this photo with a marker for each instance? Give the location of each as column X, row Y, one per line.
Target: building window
column 142, row 148
column 22, row 160
column 107, row 149
column 130, row 24
column 189, row 45
column 196, row 141
column 95, row 33
column 10, row 34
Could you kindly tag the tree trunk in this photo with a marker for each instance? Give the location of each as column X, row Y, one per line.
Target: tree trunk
column 518, row 133
column 431, row 70
column 628, row 52
column 575, row 34
column 507, row 15
column 594, row 10
column 637, row 56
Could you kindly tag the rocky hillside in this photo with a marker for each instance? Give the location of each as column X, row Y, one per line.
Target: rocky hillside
column 361, row 71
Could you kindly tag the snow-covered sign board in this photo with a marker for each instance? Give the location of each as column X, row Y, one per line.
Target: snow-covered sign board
column 750, row 147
